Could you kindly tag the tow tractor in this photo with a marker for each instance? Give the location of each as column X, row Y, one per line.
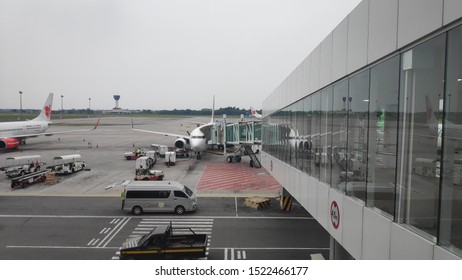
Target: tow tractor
column 149, row 175
column 134, row 155
column 143, row 170
column 29, row 179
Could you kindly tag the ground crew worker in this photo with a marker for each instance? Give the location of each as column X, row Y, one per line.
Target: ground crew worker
column 122, row 195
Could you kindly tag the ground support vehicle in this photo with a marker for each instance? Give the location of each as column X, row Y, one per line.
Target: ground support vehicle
column 29, row 179
column 67, row 164
column 157, row 196
column 181, row 153
column 21, row 165
column 150, row 175
column 133, row 155
column 245, row 150
column 235, row 158
column 163, row 243
column 144, row 164
column 160, row 149
column 170, row 158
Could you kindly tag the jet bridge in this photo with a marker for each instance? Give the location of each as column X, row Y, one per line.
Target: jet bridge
column 246, row 134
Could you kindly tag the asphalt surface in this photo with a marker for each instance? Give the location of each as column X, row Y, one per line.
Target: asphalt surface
column 81, row 218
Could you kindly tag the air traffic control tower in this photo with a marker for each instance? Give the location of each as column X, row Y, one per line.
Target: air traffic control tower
column 116, row 98
column 365, row 133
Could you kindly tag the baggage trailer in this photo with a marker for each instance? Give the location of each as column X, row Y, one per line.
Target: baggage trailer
column 22, row 165
column 67, row 164
column 29, row 179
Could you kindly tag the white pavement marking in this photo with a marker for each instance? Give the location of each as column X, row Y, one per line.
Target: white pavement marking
column 101, row 232
column 226, row 254
column 91, row 241
column 179, row 225
column 172, row 218
column 244, row 255
column 120, row 225
column 268, row 248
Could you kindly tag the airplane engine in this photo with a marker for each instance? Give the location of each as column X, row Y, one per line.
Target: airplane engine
column 181, row 143
column 9, row 143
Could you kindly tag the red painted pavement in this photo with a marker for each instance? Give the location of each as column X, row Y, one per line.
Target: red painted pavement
column 223, row 176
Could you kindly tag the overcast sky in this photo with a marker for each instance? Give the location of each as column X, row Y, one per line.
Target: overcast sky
column 156, row 54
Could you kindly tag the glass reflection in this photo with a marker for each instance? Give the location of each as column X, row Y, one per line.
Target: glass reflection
column 339, row 135
column 419, row 162
column 383, row 125
column 451, row 204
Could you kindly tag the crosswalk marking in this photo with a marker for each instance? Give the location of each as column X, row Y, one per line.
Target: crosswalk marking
column 240, row 254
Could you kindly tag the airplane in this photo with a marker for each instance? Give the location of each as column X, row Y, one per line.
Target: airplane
column 452, row 131
column 253, row 113
column 13, row 134
column 196, row 140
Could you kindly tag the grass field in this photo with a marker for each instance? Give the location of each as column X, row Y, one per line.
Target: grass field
column 14, row 116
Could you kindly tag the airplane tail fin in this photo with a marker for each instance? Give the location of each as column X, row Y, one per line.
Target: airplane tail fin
column 45, row 114
column 254, row 113
column 96, row 125
column 431, row 119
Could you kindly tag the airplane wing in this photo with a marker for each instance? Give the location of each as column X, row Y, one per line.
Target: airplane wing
column 57, row 132
column 160, row 133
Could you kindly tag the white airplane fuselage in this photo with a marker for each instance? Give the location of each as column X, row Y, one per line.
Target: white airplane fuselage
column 198, row 140
column 13, row 129
column 12, row 134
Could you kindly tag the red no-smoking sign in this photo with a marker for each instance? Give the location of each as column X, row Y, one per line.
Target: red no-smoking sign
column 335, row 214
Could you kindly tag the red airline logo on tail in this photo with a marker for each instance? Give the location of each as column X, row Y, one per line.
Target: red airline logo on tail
column 47, row 110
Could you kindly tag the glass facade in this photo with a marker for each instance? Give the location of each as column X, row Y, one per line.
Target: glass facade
column 390, row 136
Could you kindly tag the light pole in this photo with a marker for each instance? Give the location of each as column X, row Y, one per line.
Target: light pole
column 20, row 104
column 62, row 106
column 89, row 102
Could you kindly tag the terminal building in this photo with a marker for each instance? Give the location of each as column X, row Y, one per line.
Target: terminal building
column 366, row 133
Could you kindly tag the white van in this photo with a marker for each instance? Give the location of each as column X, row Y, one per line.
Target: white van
column 157, row 196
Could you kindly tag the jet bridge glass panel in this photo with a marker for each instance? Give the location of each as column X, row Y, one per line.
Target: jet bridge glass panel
column 356, row 157
column 396, row 136
column 451, row 194
column 383, row 128
column 419, row 160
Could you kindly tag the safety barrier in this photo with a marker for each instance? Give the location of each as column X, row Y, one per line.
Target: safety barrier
column 286, row 203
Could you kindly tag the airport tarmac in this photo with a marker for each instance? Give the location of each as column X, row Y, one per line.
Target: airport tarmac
column 103, row 151
column 73, row 218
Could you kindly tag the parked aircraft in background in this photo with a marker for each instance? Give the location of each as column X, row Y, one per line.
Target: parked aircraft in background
column 13, row 134
column 196, row 140
column 254, row 113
